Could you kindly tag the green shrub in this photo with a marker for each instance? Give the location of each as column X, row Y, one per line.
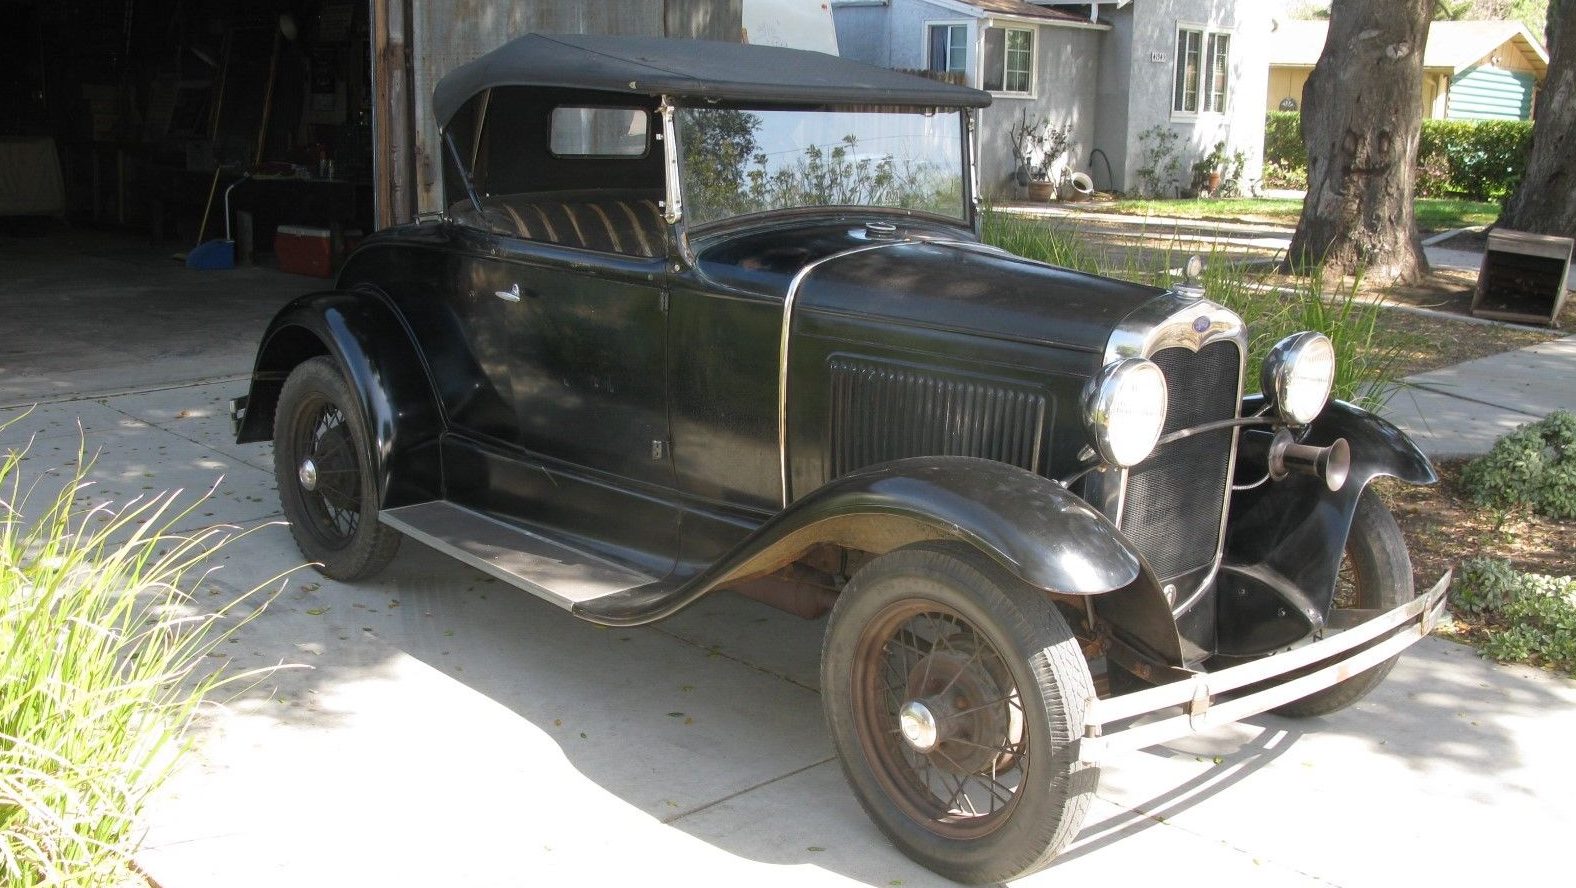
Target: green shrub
column 1433, row 175
column 1487, row 158
column 102, row 667
column 1533, row 467
column 1484, row 158
column 1526, row 617
column 1279, row 174
column 1283, row 141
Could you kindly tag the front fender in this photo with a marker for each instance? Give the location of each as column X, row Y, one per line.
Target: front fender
column 1285, row 539
column 1033, row 527
column 365, row 334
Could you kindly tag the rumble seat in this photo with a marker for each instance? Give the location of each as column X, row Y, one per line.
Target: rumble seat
column 628, row 222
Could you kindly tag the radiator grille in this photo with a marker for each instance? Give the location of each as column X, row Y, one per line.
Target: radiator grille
column 884, row 411
column 1174, row 498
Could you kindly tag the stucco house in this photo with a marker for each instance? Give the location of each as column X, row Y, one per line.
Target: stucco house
column 1471, row 70
column 1111, row 70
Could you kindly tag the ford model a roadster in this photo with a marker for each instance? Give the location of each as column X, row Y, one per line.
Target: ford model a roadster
column 707, row 317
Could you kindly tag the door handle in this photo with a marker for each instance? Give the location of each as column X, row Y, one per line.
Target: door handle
column 510, row 295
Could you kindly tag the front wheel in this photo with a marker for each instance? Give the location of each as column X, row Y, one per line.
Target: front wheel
column 955, row 696
column 1376, row 574
column 322, row 464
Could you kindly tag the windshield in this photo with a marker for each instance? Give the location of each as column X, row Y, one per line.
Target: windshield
column 736, row 162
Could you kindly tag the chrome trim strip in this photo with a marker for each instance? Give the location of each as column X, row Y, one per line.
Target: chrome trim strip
column 782, row 347
column 1196, row 695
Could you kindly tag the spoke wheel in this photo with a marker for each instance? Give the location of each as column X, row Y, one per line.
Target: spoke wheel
column 955, row 694
column 321, row 466
column 329, row 474
column 942, row 719
column 1375, row 574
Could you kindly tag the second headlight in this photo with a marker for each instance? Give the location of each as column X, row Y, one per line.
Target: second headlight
column 1297, row 375
column 1125, row 410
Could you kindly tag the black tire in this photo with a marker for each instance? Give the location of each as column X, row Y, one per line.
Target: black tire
column 335, row 519
column 947, row 625
column 1376, row 573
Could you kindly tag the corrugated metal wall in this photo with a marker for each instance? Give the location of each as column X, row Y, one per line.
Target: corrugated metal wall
column 415, row 42
column 1490, row 94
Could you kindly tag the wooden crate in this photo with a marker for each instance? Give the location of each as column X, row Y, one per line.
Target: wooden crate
column 1523, row 277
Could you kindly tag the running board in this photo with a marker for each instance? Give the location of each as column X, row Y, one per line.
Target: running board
column 565, row 576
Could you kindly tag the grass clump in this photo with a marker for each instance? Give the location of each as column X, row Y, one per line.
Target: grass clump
column 1533, row 467
column 1525, row 617
column 1366, row 357
column 102, row 669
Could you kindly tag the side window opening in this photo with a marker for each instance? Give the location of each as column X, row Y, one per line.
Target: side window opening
column 571, row 167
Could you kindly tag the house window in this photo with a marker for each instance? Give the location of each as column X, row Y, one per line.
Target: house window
column 949, row 48
column 1219, row 71
column 1203, row 71
column 1009, row 60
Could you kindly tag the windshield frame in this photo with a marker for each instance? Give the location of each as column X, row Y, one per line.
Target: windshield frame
column 967, row 171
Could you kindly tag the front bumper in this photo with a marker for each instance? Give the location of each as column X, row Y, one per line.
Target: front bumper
column 1207, row 699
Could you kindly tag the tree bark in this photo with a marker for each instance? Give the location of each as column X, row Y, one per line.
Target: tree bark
column 1545, row 201
column 1361, row 114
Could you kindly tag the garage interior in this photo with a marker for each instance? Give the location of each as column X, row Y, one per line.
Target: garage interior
column 156, row 107
column 122, row 125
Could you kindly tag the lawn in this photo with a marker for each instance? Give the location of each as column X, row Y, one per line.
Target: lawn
column 1433, row 214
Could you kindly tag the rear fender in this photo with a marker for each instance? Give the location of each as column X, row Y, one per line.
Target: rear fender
column 1285, row 538
column 366, row 336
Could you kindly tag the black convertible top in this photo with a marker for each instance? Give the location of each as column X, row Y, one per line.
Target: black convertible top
column 707, row 69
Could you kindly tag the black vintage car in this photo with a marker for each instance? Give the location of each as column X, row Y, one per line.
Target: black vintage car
column 707, row 317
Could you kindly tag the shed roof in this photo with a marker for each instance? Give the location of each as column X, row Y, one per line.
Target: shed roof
column 705, row 69
column 1455, row 46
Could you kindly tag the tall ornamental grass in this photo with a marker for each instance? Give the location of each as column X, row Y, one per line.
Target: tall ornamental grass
column 103, row 663
column 1366, row 358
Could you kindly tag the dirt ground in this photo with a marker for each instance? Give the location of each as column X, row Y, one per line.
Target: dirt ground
column 1443, row 527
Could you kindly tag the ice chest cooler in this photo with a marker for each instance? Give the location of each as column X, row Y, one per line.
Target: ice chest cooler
column 302, row 249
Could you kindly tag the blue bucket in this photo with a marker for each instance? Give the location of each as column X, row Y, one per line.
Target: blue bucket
column 211, row 255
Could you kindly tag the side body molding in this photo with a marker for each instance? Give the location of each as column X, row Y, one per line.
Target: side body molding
column 367, row 336
column 1032, row 526
column 1285, row 539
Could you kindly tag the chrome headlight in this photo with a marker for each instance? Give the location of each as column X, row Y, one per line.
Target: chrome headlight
column 1297, row 376
column 1125, row 409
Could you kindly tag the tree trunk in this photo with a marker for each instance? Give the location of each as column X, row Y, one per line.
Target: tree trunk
column 1545, row 202
column 1361, row 113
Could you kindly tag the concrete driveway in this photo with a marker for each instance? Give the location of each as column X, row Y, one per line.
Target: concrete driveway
column 434, row 727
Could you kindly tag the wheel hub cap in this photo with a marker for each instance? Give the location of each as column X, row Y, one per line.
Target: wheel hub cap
column 308, row 474
column 968, row 728
column 919, row 725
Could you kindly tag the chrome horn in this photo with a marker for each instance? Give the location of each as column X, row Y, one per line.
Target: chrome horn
column 1332, row 463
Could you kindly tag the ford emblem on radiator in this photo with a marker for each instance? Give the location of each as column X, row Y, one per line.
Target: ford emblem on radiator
column 1200, row 324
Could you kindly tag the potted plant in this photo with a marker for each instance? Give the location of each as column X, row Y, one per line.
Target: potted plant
column 1038, row 148
column 1207, row 171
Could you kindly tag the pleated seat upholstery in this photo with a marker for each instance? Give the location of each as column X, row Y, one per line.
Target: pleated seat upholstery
column 627, row 222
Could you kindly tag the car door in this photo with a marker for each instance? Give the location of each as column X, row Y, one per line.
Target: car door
column 575, row 340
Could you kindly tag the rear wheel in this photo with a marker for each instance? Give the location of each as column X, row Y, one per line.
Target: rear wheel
column 1376, row 574
column 322, row 463
column 955, row 695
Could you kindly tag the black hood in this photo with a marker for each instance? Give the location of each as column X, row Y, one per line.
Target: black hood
column 932, row 279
